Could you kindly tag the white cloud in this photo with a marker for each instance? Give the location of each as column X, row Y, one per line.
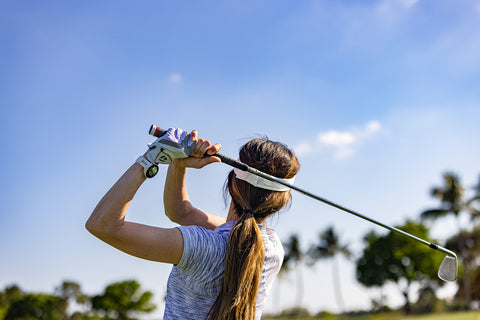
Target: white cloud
column 175, row 78
column 342, row 144
column 390, row 14
column 336, row 138
column 344, row 152
column 303, row 148
column 409, row 3
column 373, row 126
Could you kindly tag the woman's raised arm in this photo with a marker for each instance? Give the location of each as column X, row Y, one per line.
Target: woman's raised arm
column 175, row 196
column 107, row 222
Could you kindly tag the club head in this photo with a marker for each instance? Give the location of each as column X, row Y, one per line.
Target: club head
column 448, row 268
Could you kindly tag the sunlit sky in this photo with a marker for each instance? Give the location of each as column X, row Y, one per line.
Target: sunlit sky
column 378, row 99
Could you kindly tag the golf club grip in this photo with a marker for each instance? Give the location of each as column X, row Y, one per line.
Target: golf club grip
column 158, row 132
column 232, row 162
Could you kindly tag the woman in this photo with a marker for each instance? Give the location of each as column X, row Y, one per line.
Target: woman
column 223, row 268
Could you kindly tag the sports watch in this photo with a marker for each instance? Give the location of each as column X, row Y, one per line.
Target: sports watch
column 149, row 169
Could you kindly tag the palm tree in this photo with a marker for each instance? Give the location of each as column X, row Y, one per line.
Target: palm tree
column 471, row 258
column 473, row 205
column 451, row 196
column 329, row 247
column 292, row 259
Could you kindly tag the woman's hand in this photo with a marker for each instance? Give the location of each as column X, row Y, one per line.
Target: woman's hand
column 202, row 155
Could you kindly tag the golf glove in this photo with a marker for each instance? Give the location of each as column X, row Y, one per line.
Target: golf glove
column 175, row 144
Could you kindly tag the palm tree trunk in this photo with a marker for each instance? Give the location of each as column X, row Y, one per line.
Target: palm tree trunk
column 299, row 299
column 336, row 286
column 467, row 292
column 406, row 307
column 276, row 297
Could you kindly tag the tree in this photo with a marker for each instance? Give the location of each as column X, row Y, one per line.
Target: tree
column 329, row 247
column 396, row 258
column 71, row 292
column 292, row 259
column 450, row 196
column 476, row 285
column 473, row 205
column 122, row 300
column 16, row 304
column 37, row 306
column 453, row 202
column 7, row 297
column 4, row 304
column 471, row 259
column 426, row 300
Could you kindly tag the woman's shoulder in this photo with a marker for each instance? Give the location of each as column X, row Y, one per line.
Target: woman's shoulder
column 201, row 246
column 199, row 234
column 268, row 231
column 271, row 239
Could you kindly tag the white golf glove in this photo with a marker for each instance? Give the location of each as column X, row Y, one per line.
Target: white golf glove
column 175, row 144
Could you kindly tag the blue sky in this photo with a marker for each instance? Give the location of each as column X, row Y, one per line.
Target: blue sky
column 378, row 99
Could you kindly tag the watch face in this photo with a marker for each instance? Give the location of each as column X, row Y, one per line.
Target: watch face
column 152, row 171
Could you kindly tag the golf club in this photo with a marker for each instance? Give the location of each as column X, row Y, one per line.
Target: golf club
column 448, row 268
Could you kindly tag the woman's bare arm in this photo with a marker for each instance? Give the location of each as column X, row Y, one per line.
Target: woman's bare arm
column 175, row 196
column 107, row 222
column 177, row 204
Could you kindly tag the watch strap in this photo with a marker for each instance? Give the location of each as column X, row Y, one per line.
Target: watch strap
column 149, row 169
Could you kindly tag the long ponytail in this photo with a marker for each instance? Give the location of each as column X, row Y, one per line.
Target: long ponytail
column 243, row 267
column 245, row 253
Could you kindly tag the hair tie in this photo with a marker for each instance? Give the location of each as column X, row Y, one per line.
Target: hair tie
column 249, row 211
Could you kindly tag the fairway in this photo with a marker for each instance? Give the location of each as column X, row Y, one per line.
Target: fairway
column 472, row 315
column 447, row 316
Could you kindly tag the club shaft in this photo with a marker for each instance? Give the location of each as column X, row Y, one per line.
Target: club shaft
column 244, row 167
column 158, row 132
column 355, row 213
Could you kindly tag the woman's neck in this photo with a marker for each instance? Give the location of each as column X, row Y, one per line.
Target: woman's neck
column 232, row 214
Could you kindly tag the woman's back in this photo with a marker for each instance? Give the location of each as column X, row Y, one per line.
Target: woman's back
column 196, row 281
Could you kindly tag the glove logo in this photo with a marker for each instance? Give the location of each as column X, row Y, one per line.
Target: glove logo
column 163, row 157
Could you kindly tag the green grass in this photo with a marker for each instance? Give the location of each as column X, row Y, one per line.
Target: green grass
column 447, row 316
column 472, row 315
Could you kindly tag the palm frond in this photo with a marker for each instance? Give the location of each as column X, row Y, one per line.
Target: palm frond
column 434, row 214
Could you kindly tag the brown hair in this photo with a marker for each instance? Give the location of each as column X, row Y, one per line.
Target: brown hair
column 245, row 250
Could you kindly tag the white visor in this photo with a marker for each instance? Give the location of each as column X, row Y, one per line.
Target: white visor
column 260, row 182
